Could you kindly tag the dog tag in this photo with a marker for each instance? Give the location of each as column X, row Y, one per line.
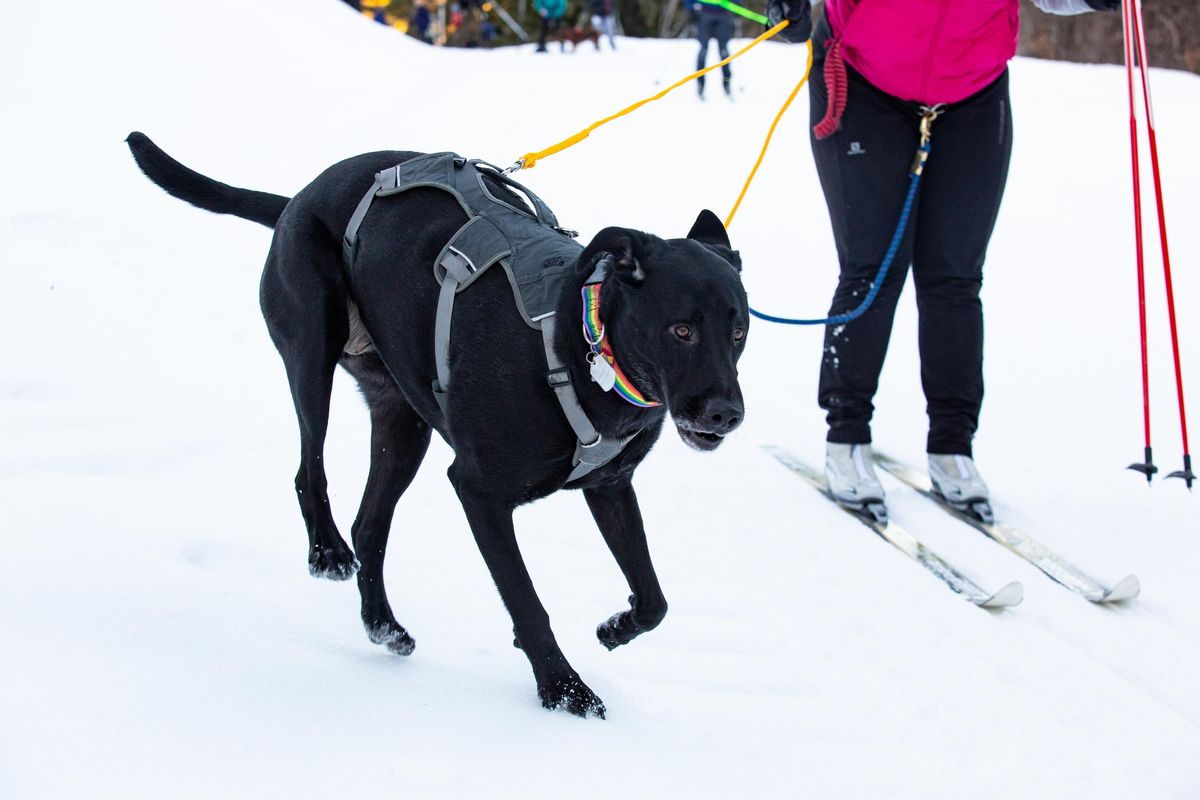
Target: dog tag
column 603, row 373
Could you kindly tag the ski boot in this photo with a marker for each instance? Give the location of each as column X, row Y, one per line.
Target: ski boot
column 850, row 473
column 957, row 483
column 727, row 85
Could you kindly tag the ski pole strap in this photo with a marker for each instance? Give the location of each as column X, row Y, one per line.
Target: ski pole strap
column 928, row 115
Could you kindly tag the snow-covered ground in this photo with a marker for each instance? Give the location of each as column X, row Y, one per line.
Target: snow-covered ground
column 162, row 637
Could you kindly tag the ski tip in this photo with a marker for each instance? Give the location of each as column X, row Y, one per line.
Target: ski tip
column 1128, row 588
column 1010, row 595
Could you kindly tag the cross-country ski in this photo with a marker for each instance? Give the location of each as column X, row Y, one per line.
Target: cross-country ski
column 1053, row 565
column 891, row 531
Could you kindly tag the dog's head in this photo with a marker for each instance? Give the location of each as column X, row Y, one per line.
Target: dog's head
column 676, row 315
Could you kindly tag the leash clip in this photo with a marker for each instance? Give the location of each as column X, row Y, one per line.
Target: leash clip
column 517, row 166
column 928, row 115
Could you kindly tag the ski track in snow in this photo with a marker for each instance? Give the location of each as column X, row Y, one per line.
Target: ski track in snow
column 163, row 637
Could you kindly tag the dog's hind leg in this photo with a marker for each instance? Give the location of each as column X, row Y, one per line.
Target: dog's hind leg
column 304, row 303
column 399, row 439
column 558, row 684
column 615, row 509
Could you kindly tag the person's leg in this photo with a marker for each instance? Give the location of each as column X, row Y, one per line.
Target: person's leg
column 703, row 34
column 541, row 48
column 960, row 198
column 723, row 30
column 863, row 168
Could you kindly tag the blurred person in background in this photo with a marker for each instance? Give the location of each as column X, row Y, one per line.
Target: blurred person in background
column 604, row 20
column 420, row 20
column 712, row 22
column 552, row 13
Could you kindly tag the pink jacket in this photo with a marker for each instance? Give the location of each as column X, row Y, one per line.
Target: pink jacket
column 928, row 51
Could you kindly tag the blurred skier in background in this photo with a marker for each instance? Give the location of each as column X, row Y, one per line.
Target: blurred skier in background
column 712, row 22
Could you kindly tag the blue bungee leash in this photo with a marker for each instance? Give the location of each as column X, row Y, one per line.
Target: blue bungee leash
column 928, row 115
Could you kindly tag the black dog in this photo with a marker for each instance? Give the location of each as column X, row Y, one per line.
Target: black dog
column 675, row 311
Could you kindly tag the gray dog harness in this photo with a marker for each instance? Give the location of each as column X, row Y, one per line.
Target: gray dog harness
column 535, row 253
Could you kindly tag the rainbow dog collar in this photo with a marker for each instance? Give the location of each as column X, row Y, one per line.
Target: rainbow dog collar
column 604, row 368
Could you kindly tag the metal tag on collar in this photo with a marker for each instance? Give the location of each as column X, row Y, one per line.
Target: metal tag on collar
column 602, row 372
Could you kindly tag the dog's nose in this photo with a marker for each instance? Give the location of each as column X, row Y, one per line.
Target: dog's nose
column 722, row 415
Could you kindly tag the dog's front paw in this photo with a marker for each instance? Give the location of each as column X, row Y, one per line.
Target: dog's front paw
column 571, row 694
column 617, row 630
column 393, row 636
column 626, row 626
column 336, row 564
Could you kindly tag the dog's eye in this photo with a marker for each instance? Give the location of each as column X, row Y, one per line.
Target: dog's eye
column 683, row 331
column 739, row 334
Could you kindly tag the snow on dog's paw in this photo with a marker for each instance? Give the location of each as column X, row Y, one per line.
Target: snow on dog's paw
column 617, row 630
column 336, row 565
column 572, row 695
column 392, row 636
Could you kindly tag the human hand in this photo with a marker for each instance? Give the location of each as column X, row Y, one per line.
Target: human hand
column 798, row 13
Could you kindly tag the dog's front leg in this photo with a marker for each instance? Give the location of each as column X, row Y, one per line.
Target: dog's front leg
column 615, row 509
column 558, row 684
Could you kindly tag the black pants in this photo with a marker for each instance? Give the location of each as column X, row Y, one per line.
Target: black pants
column 719, row 27
column 549, row 26
column 864, row 169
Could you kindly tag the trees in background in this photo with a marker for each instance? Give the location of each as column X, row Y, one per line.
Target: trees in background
column 1172, row 27
column 1172, row 35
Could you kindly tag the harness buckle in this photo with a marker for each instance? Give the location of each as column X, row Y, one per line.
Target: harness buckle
column 558, row 377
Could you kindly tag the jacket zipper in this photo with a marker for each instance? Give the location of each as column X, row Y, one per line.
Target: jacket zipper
column 937, row 35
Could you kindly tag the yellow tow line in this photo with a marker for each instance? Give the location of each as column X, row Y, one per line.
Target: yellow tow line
column 529, row 160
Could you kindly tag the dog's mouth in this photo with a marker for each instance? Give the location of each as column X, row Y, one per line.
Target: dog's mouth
column 697, row 439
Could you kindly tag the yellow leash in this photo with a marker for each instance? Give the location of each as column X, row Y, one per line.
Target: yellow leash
column 529, row 160
column 770, row 132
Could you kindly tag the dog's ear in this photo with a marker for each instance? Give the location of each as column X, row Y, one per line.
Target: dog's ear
column 627, row 247
column 708, row 229
column 710, row 232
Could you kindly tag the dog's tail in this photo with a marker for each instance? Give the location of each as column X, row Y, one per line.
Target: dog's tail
column 201, row 191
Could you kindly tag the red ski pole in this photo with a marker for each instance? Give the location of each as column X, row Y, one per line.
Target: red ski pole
column 1140, row 28
column 1147, row 467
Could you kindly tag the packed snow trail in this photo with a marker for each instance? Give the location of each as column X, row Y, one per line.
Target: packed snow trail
column 163, row 637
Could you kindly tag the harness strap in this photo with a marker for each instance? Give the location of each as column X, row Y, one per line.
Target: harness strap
column 458, row 269
column 591, row 449
column 559, row 378
column 383, row 182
